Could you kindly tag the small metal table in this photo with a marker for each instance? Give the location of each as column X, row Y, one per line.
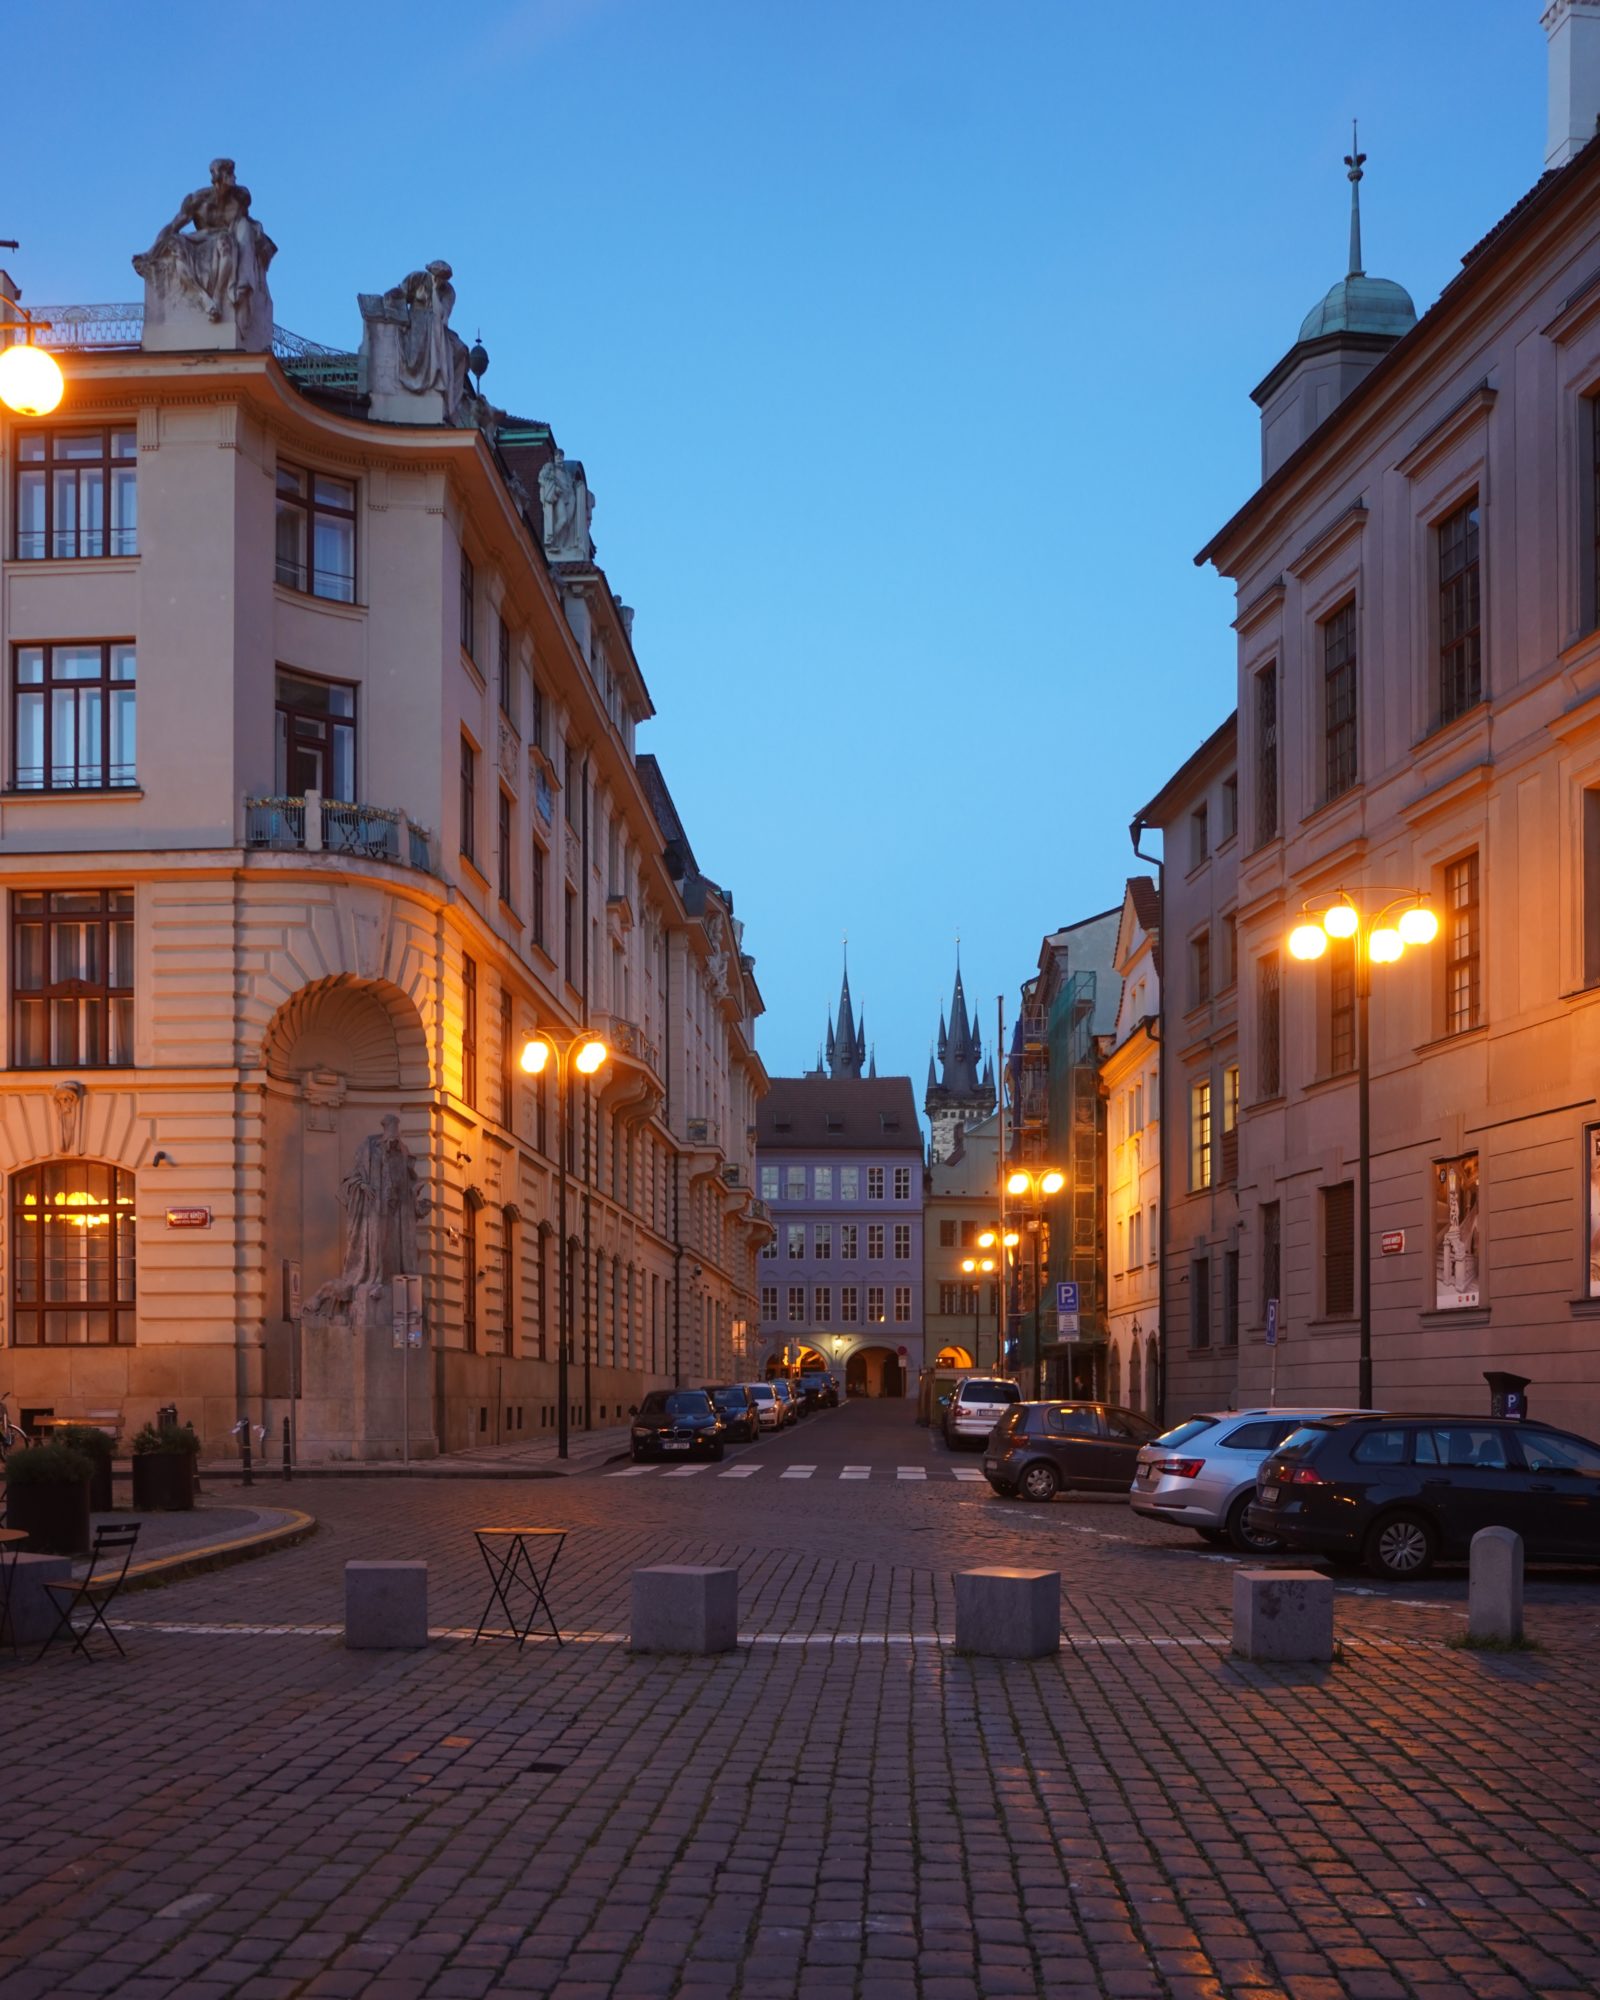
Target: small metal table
column 11, row 1541
column 512, row 1557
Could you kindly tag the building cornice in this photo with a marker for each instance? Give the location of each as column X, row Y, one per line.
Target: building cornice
column 1448, row 432
column 1328, row 541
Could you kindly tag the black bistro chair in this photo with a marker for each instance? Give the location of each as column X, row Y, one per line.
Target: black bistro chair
column 96, row 1588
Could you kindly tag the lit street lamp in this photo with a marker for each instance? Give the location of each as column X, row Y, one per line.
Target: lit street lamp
column 586, row 1053
column 1031, row 1185
column 30, row 377
column 1373, row 941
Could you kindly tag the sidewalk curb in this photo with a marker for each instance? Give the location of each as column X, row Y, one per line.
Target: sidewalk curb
column 220, row 1555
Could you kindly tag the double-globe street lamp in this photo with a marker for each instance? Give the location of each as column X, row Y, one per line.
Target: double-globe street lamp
column 1030, row 1186
column 995, row 1242
column 30, row 377
column 1379, row 939
column 586, row 1053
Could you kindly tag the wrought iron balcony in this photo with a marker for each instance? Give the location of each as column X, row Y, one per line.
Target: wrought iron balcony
column 314, row 825
column 703, row 1132
column 629, row 1039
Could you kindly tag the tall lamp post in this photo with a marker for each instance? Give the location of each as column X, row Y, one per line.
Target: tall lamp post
column 995, row 1242
column 1031, row 1185
column 1373, row 941
column 586, row 1053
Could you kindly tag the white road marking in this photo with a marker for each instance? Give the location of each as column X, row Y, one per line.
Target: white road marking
column 856, row 1472
column 797, row 1472
column 630, row 1472
column 911, row 1472
column 966, row 1472
column 740, row 1472
column 687, row 1471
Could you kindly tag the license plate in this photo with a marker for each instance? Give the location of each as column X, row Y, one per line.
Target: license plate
column 1144, row 1473
column 991, row 1465
column 676, row 1444
column 1268, row 1496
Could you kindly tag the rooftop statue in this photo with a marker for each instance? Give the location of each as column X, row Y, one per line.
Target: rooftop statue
column 568, row 509
column 414, row 365
column 205, row 276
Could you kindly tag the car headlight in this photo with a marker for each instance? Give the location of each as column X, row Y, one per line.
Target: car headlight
column 640, row 1431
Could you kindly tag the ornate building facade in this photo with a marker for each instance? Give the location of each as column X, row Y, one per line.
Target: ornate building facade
column 321, row 796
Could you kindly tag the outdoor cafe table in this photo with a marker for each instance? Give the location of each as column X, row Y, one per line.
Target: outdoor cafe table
column 512, row 1557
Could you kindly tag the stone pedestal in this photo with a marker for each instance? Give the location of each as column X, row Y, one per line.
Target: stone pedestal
column 1494, row 1592
column 356, row 1399
column 385, row 1606
column 684, row 1608
column 34, row 1611
column 1283, row 1615
column 1008, row 1614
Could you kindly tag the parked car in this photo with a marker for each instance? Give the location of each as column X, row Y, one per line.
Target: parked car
column 786, row 1399
column 817, row 1389
column 672, row 1423
column 976, row 1405
column 740, row 1417
column 1038, row 1450
column 1201, row 1474
column 768, row 1406
column 1400, row 1493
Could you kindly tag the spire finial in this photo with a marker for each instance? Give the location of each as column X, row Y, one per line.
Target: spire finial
column 1354, row 161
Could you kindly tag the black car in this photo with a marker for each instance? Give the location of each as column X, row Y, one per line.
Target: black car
column 1038, row 1450
column 813, row 1389
column 1401, row 1493
column 737, row 1407
column 678, row 1423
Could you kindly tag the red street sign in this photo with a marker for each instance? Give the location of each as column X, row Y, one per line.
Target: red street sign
column 188, row 1218
column 1392, row 1242
column 904, row 1351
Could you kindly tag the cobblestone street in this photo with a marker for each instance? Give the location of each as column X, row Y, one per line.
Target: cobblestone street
column 844, row 1807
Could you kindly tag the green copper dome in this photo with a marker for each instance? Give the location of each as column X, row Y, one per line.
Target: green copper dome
column 1359, row 304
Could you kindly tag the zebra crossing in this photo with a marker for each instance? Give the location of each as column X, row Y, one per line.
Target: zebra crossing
column 965, row 1473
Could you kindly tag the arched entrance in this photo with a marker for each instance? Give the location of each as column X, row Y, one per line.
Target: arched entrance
column 874, row 1371
column 795, row 1355
column 953, row 1357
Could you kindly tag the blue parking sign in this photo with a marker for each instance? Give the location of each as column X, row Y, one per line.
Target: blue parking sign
column 1272, row 1322
column 1066, row 1296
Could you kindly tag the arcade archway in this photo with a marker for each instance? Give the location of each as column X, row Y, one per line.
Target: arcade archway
column 786, row 1360
column 875, row 1371
column 951, row 1356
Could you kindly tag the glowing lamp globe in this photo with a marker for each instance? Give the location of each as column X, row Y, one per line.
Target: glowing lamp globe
column 1053, row 1182
column 1385, row 945
column 986, row 1240
column 591, row 1054
column 535, row 1055
column 1419, row 925
column 1017, row 1183
column 969, row 1263
column 1308, row 941
column 30, row 380
column 1341, row 921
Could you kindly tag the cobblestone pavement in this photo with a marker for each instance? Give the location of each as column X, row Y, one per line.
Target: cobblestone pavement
column 844, row 1809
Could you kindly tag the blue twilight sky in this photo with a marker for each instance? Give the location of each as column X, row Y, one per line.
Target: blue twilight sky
column 907, row 345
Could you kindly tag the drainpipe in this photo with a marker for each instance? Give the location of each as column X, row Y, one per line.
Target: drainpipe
column 677, row 1193
column 1136, row 832
column 588, row 1129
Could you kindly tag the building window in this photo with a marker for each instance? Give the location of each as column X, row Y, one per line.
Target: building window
column 874, row 1240
column 822, row 1184
column 1339, row 701
column 874, row 1183
column 73, row 1272
column 536, row 717
column 951, row 1299
column 569, row 786
column 770, row 1250
column 795, row 1240
column 822, row 1302
column 947, row 1235
column 536, row 894
column 1230, row 808
column 569, row 936
column 72, row 979
column 76, row 494
column 1230, row 1123
column 769, row 1304
column 797, row 1305
column 508, row 1063
column 875, row 1305
column 316, row 534
column 1269, row 1025
column 504, row 857
column 513, row 1279
column 969, row 1235
column 1200, row 1152
column 1460, row 626
column 469, row 1274
column 316, row 737
column 902, row 1305
column 794, row 1183
column 1230, row 1298
column 505, row 681
column 1271, row 1254
column 847, row 1305
column 1230, row 951
column 902, row 1183
column 1200, row 966
column 469, row 801
column 1339, row 1250
column 1199, row 836
column 822, row 1242
column 902, row 1242
column 469, row 590
column 848, row 1240
column 1341, row 963
column 1462, row 945
column 1200, row 1302
column 541, row 1118
column 73, row 717
column 469, row 1031
column 769, row 1184
column 1267, row 753
column 849, row 1183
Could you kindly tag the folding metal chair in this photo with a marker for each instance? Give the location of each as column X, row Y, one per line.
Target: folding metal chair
column 96, row 1588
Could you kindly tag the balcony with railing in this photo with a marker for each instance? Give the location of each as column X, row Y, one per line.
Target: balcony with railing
column 96, row 328
column 315, row 825
column 628, row 1039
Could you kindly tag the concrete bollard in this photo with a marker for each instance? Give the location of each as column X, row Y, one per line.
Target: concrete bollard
column 34, row 1611
column 685, row 1608
column 1283, row 1614
column 1008, row 1614
column 1494, row 1589
column 385, row 1606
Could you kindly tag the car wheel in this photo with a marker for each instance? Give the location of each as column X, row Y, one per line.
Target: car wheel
column 1401, row 1548
column 1248, row 1541
column 1040, row 1481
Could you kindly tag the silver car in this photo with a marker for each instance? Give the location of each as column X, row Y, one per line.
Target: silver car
column 978, row 1404
column 768, row 1409
column 1202, row 1473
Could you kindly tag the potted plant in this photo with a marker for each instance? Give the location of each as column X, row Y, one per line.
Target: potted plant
column 47, row 1496
column 97, row 1447
column 163, row 1467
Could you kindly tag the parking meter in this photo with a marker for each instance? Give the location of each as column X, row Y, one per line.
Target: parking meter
column 1508, row 1394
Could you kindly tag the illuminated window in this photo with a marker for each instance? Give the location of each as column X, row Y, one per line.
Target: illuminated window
column 72, row 979
column 72, row 1282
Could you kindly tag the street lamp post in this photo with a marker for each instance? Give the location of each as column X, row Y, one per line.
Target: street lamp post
column 586, row 1053
column 1374, row 942
column 997, row 1239
column 1032, row 1185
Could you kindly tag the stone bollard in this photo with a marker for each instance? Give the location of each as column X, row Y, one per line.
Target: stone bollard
column 385, row 1606
column 685, row 1608
column 1008, row 1614
column 1283, row 1614
column 1494, row 1589
column 34, row 1612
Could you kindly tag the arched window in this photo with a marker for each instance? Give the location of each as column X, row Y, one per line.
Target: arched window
column 1152, row 1364
column 1135, row 1375
column 72, row 1270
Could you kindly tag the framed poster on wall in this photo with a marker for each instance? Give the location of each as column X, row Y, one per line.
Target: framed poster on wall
column 1455, row 1233
column 1591, row 1149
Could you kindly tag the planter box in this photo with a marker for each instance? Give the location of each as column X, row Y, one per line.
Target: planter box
column 54, row 1516
column 163, row 1481
column 100, row 1500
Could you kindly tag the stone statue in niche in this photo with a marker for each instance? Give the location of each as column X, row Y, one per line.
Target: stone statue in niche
column 205, row 276
column 413, row 364
column 68, row 1101
column 384, row 1199
column 568, row 510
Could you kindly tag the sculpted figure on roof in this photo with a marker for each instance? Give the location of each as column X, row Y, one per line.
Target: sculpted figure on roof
column 210, row 262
